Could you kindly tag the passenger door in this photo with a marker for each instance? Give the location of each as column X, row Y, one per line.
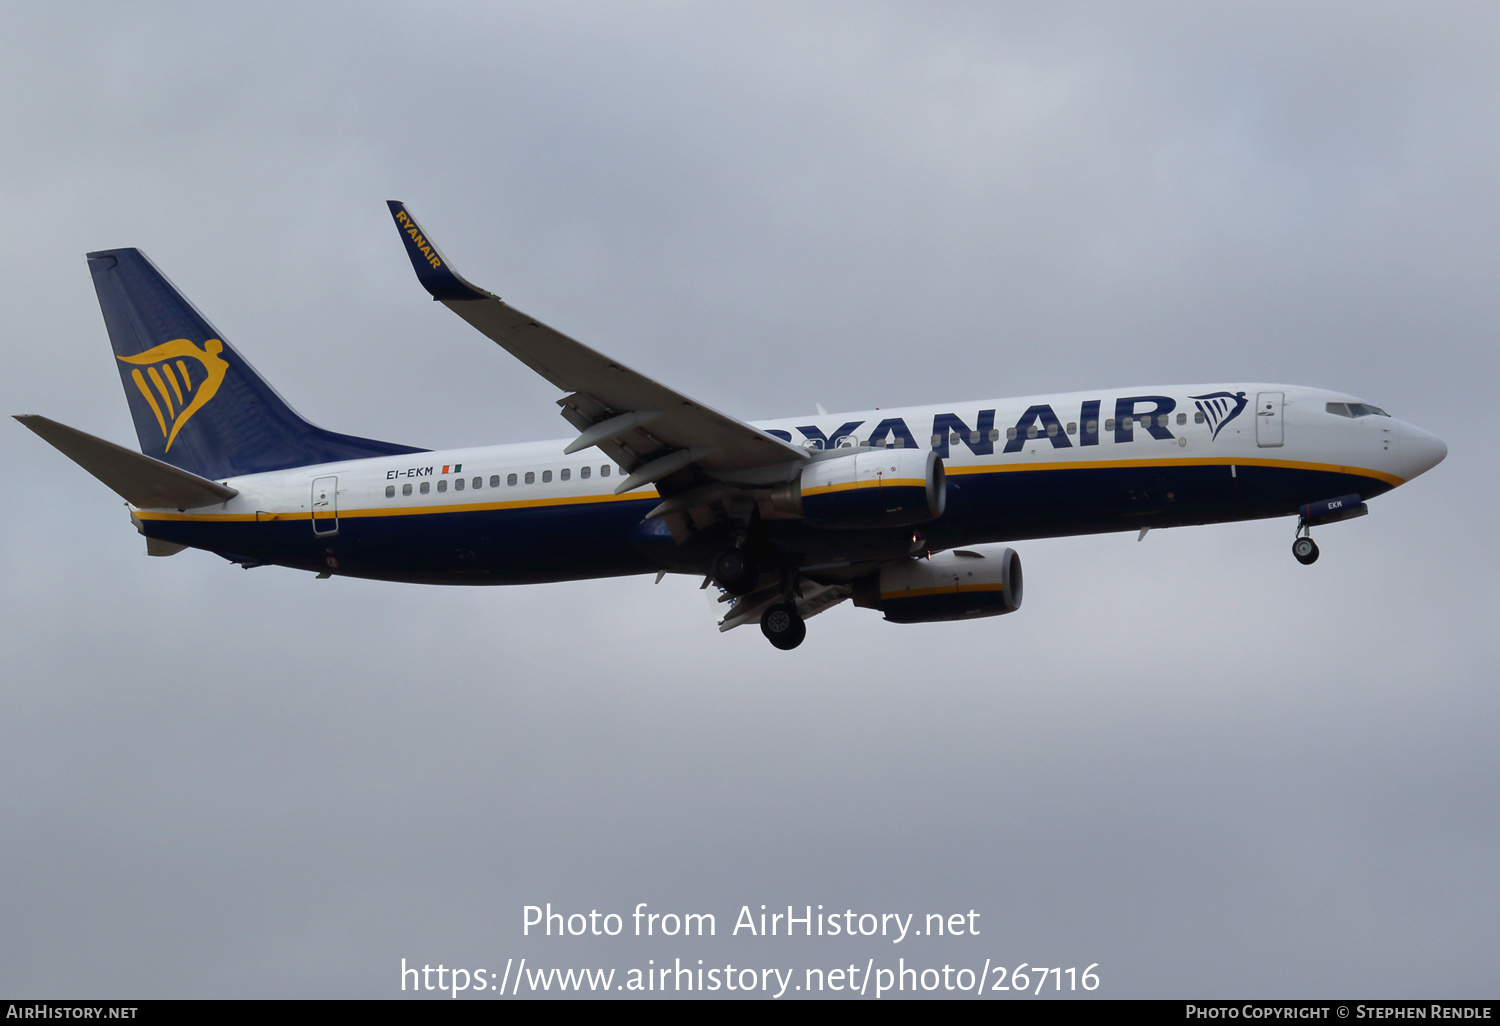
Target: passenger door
column 325, row 505
column 1268, row 429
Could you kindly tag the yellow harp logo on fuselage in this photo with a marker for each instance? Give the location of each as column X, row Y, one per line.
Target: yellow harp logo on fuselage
column 181, row 387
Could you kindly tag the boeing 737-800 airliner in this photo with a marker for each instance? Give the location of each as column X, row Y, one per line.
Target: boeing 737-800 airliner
column 905, row 510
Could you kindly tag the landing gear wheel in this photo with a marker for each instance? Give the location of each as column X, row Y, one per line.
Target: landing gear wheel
column 782, row 626
column 735, row 572
column 1305, row 550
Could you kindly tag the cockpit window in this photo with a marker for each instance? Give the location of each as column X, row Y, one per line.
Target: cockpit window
column 1355, row 410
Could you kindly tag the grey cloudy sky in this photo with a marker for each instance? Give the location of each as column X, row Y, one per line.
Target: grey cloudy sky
column 1208, row 769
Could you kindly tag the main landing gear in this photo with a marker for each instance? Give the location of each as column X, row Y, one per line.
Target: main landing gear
column 783, row 626
column 1304, row 548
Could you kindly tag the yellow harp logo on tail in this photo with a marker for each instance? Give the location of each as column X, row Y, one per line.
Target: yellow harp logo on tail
column 174, row 388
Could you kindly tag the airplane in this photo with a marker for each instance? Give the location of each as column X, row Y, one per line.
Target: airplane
column 905, row 511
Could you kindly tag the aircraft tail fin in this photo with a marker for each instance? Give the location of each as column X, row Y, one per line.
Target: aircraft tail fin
column 197, row 404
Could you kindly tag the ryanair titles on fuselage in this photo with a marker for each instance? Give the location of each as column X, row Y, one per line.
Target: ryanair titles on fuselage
column 1040, row 421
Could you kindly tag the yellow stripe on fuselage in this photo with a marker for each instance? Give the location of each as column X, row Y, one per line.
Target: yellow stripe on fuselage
column 408, row 511
column 402, row 511
column 1184, row 461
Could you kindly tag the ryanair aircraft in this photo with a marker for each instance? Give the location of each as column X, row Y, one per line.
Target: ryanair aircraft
column 905, row 511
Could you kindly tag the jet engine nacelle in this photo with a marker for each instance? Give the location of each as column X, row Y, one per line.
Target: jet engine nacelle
column 957, row 585
column 869, row 488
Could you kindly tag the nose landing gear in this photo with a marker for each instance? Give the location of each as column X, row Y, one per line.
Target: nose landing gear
column 1304, row 549
column 1327, row 511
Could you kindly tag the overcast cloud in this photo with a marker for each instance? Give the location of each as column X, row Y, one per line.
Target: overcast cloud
column 1206, row 768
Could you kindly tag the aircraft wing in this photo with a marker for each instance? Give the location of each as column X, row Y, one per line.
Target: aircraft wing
column 658, row 435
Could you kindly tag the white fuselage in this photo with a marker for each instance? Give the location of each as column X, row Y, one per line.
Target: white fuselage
column 532, row 474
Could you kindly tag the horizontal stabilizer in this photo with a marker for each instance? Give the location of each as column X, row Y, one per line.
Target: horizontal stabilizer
column 139, row 480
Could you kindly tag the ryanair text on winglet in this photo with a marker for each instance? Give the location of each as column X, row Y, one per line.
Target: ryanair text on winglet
column 409, row 226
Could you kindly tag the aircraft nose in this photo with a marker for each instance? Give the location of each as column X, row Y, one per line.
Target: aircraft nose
column 1420, row 451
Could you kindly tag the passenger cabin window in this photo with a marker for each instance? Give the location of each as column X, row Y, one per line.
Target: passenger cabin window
column 604, row 471
column 564, row 473
column 1051, row 430
column 1072, row 427
column 510, row 479
column 1109, row 425
column 478, row 482
column 531, row 477
column 406, row 488
column 443, row 485
column 424, row 487
column 1091, row 426
column 458, row 485
column 1032, row 432
column 1181, row 419
column 390, row 491
column 495, row 480
column 1199, row 418
column 546, row 476
column 584, row 472
column 1010, row 433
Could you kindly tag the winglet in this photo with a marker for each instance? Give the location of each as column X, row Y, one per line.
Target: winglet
column 433, row 269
